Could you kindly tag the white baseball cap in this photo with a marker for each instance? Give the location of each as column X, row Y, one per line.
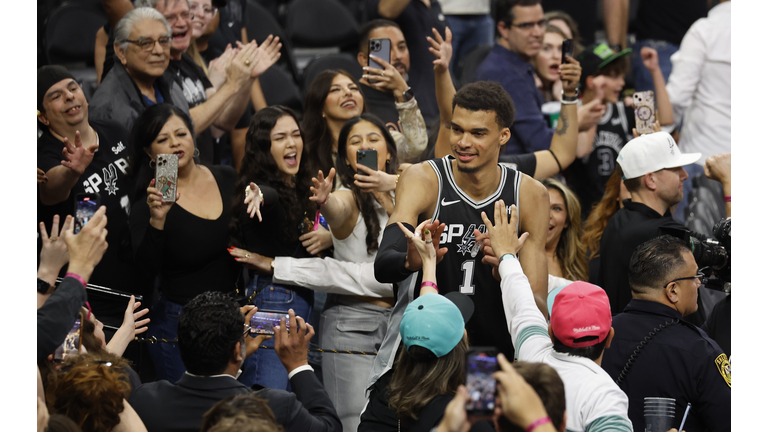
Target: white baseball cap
column 650, row 153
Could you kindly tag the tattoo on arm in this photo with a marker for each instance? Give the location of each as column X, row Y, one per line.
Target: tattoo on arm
column 562, row 126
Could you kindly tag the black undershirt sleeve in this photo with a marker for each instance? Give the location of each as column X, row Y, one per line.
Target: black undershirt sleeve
column 389, row 266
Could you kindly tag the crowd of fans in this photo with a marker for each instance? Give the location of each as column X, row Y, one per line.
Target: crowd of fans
column 520, row 209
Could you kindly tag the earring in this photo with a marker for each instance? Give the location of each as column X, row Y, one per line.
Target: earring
column 152, row 164
column 196, row 153
column 323, row 115
column 387, row 165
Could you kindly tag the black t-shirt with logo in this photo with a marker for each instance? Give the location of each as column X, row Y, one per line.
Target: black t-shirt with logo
column 194, row 82
column 587, row 176
column 107, row 176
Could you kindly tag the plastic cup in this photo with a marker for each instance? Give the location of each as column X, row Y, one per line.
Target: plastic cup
column 551, row 111
column 659, row 414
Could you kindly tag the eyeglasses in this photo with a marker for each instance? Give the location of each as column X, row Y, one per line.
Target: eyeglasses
column 205, row 10
column 148, row 44
column 530, row 25
column 184, row 15
column 698, row 276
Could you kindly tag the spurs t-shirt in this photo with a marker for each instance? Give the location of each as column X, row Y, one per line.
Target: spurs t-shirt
column 105, row 175
column 194, row 82
column 587, row 176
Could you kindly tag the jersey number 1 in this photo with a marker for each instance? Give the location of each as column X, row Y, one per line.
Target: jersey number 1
column 468, row 269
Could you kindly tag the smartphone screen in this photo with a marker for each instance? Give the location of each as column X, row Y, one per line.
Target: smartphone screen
column 379, row 48
column 265, row 322
column 481, row 364
column 166, row 175
column 567, row 49
column 85, row 207
column 368, row 158
column 71, row 345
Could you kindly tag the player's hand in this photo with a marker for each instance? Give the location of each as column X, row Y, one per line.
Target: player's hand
column 421, row 240
column 442, row 50
column 413, row 260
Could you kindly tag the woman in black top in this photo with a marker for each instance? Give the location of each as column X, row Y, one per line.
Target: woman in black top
column 276, row 174
column 183, row 244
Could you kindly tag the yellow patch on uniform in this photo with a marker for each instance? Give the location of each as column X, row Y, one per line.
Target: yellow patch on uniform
column 724, row 366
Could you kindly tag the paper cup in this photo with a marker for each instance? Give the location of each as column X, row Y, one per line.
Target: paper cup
column 551, row 111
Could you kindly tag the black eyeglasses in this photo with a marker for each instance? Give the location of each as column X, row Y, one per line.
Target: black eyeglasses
column 530, row 25
column 148, row 44
column 698, row 276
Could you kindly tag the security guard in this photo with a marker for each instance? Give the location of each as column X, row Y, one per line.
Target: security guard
column 656, row 353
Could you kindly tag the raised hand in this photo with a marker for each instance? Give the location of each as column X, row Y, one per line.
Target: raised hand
column 254, row 199
column 570, row 74
column 217, row 72
column 503, row 235
column 421, row 242
column 322, row 186
column 718, row 167
column 441, row 49
column 54, row 253
column 88, row 246
column 131, row 317
column 266, row 55
column 239, row 69
column 374, row 180
column 77, row 157
column 650, row 59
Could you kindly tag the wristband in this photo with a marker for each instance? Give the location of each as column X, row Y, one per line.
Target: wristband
column 76, row 276
column 432, row 284
column 537, row 423
column 559, row 167
column 324, row 201
column 507, row 256
column 728, row 198
column 568, row 100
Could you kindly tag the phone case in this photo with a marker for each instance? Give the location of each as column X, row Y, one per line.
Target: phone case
column 379, row 48
column 368, row 158
column 71, row 345
column 645, row 114
column 567, row 49
column 166, row 175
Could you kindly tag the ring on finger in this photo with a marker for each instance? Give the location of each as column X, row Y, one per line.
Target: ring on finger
column 53, row 239
column 382, row 72
column 247, row 255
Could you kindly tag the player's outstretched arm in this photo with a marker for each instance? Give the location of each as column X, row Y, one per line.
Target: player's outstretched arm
column 534, row 219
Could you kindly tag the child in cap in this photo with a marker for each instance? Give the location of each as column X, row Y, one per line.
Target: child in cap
column 432, row 363
column 602, row 77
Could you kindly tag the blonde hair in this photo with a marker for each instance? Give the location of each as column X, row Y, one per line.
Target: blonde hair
column 571, row 252
column 197, row 58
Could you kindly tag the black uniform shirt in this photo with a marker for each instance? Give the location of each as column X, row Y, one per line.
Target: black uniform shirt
column 680, row 361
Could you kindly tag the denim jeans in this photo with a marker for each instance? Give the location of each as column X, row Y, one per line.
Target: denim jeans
column 164, row 324
column 264, row 367
column 469, row 32
column 354, row 325
column 643, row 79
column 692, row 170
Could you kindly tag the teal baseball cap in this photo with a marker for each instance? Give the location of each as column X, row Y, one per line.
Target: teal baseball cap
column 436, row 322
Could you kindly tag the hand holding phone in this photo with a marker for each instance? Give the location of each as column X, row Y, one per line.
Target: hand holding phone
column 71, row 344
column 167, row 175
column 263, row 322
column 481, row 385
column 567, row 50
column 379, row 48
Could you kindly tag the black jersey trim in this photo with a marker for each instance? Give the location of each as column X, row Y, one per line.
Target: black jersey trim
column 466, row 198
column 433, row 164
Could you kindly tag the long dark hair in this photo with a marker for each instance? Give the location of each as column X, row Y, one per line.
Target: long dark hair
column 365, row 201
column 259, row 164
column 145, row 129
column 319, row 140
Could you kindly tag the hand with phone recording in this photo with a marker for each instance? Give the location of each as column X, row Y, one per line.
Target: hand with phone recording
column 252, row 340
column 519, row 401
column 158, row 208
column 570, row 74
column 54, row 253
column 656, row 128
column 87, row 247
column 292, row 345
column 387, row 79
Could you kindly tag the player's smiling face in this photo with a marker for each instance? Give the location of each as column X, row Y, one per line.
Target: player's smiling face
column 475, row 139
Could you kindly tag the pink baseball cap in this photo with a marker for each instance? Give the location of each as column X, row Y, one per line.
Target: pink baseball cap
column 581, row 310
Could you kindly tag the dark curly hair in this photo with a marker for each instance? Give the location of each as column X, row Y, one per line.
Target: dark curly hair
column 319, row 140
column 365, row 201
column 145, row 129
column 654, row 263
column 210, row 326
column 486, row 96
column 90, row 392
column 259, row 165
column 248, row 405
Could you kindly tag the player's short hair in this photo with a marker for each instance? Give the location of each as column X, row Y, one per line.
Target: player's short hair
column 486, row 96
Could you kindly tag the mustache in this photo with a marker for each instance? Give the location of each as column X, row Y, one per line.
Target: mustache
column 400, row 64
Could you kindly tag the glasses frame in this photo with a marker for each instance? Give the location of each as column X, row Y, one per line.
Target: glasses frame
column 527, row 26
column 173, row 18
column 699, row 275
column 139, row 42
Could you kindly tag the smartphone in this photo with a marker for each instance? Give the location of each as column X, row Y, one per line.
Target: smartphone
column 264, row 322
column 481, row 364
column 166, row 175
column 567, row 49
column 86, row 205
column 379, row 48
column 645, row 111
column 71, row 345
column 368, row 158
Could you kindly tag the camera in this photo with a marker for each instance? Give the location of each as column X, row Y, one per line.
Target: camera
column 712, row 256
column 376, row 46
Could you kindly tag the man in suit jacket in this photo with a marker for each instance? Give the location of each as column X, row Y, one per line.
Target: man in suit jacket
column 213, row 346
